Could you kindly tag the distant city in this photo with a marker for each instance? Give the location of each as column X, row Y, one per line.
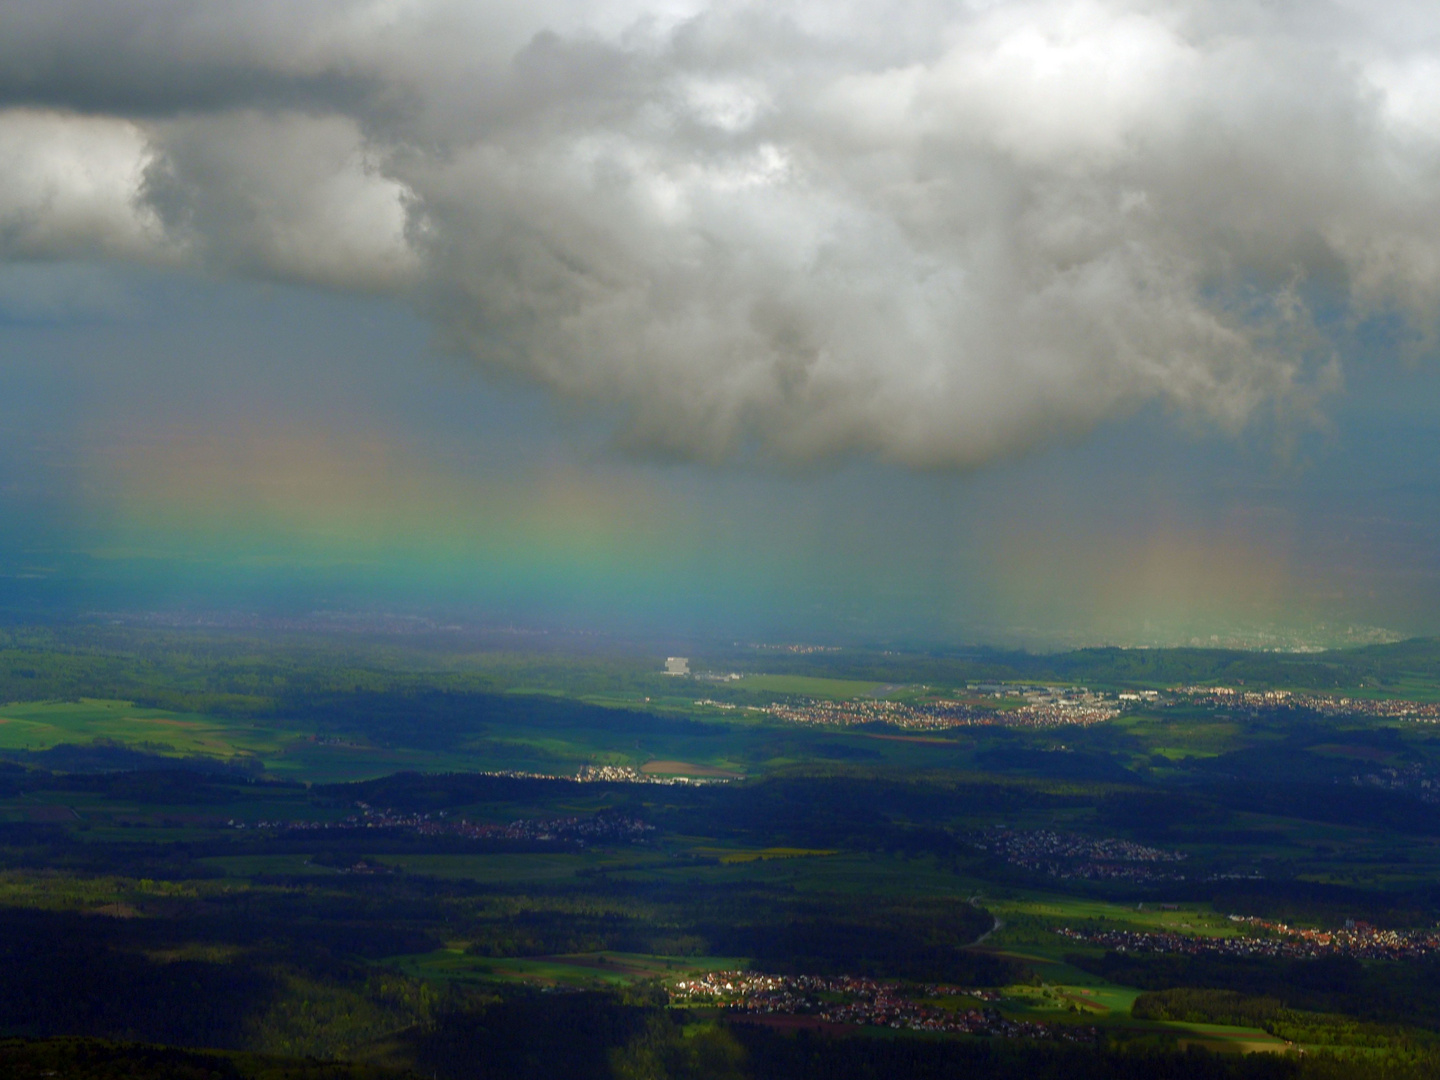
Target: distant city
column 1049, row 706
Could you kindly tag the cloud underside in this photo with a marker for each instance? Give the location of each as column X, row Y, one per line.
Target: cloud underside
column 931, row 232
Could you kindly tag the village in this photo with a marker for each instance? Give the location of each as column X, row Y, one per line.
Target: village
column 1357, row 940
column 1072, row 856
column 862, row 1002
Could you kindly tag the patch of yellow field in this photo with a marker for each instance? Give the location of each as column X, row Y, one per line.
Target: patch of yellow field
column 684, row 768
column 765, row 853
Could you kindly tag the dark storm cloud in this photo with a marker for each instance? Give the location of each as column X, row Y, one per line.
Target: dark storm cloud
column 163, row 58
column 934, row 232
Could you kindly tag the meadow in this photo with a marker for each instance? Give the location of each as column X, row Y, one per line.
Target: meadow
column 38, row 726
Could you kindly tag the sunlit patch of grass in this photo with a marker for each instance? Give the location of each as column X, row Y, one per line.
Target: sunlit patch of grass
column 453, row 964
column 730, row 856
column 808, row 686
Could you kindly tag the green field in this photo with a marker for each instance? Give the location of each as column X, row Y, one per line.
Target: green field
column 576, row 970
column 281, row 750
column 730, row 744
column 42, row 725
column 290, row 749
column 249, row 866
column 808, row 686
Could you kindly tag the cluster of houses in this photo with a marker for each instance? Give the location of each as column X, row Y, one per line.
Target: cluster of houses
column 1271, row 939
column 863, row 1002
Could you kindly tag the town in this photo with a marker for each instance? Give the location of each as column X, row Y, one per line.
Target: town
column 1275, row 939
column 1049, row 706
column 1325, row 705
column 606, row 774
column 1059, row 709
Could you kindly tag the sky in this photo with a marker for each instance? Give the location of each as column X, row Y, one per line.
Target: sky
column 1038, row 323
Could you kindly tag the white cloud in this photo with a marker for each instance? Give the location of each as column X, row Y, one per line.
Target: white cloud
column 933, row 232
column 71, row 186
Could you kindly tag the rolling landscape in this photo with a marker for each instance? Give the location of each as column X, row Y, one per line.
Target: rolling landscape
column 436, row 860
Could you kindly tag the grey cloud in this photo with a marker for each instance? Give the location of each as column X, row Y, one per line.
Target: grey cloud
column 931, row 232
column 296, row 197
column 169, row 57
